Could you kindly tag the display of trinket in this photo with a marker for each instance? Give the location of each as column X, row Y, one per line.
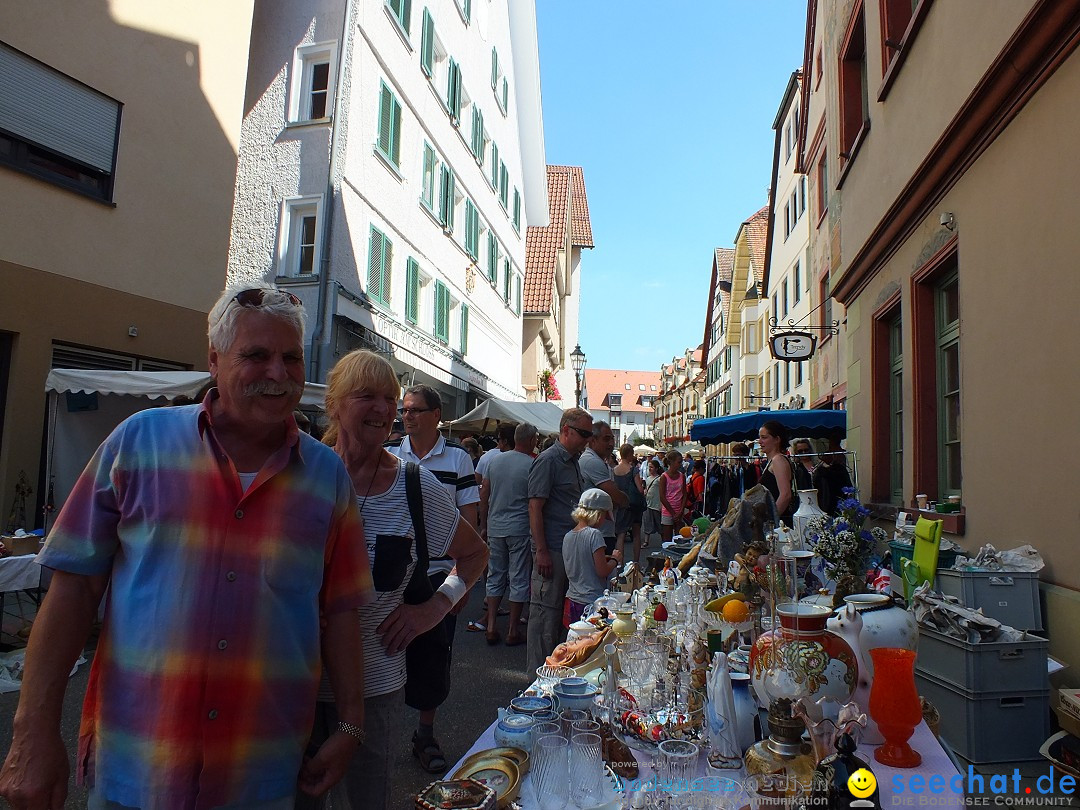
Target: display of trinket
column 456, row 794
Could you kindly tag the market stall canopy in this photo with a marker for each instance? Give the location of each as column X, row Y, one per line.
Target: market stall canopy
column 486, row 416
column 645, row 450
column 808, row 424
column 149, row 384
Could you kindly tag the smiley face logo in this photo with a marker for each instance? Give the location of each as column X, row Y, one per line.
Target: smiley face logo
column 861, row 783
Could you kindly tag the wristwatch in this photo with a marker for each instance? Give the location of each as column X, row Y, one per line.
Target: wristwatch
column 353, row 731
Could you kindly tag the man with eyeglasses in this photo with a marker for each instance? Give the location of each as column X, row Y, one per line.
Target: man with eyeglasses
column 225, row 537
column 555, row 488
column 595, row 473
column 428, row 666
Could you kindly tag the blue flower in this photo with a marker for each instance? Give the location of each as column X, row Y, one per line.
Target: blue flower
column 865, row 535
column 841, row 526
column 848, row 490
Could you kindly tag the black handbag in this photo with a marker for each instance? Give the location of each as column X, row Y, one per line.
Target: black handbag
column 427, row 658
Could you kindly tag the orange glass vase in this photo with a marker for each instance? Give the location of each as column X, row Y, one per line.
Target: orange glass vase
column 894, row 705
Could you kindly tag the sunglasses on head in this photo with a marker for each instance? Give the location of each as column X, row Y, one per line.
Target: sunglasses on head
column 585, row 434
column 256, row 296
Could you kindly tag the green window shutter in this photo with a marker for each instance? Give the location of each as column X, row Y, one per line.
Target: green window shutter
column 517, row 294
column 464, row 328
column 412, row 290
column 446, row 198
column 494, row 68
column 493, row 258
column 453, row 91
column 380, row 257
column 506, row 280
column 467, row 8
column 504, row 186
column 406, row 14
column 472, row 229
column 505, row 94
column 478, row 134
column 427, row 44
column 386, row 118
column 517, row 210
column 494, row 165
column 442, row 312
column 395, row 135
column 375, row 253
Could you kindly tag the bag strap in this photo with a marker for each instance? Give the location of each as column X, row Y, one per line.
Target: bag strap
column 415, row 496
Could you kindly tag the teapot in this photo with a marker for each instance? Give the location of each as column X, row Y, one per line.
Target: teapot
column 514, row 730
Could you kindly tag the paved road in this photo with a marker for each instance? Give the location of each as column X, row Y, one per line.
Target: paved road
column 484, row 679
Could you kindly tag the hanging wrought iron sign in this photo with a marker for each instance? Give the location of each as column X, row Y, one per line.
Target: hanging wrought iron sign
column 792, row 346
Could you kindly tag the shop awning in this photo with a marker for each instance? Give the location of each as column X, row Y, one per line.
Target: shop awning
column 809, row 424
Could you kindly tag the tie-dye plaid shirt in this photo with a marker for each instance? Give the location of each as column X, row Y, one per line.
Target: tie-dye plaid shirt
column 202, row 689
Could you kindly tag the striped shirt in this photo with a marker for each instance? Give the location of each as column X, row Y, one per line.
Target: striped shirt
column 202, row 690
column 388, row 529
column 453, row 466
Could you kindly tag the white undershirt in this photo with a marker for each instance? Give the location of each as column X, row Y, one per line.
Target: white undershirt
column 247, row 479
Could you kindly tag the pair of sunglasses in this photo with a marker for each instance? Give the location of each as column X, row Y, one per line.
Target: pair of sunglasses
column 256, row 296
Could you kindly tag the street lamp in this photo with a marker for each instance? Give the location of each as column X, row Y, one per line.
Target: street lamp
column 577, row 362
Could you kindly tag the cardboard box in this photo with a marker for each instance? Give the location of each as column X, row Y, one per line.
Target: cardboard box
column 1069, row 701
column 1067, row 721
column 18, row 546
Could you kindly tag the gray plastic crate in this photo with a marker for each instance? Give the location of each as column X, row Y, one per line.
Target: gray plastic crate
column 986, row 667
column 990, row 726
column 1011, row 597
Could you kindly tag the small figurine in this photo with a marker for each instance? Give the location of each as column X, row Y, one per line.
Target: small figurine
column 748, row 560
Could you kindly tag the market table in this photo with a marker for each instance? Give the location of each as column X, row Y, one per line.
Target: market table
column 20, row 573
column 934, row 762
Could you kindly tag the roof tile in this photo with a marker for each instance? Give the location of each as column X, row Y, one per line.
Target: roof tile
column 566, row 190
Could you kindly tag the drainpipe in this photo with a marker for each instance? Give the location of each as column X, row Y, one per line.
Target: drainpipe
column 315, row 356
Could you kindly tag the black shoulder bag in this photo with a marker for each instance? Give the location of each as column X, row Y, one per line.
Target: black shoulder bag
column 427, row 658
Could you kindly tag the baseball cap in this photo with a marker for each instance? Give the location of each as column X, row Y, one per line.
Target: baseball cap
column 596, row 499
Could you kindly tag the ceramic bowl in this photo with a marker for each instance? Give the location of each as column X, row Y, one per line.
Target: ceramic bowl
column 547, row 676
column 579, row 629
column 568, row 700
column 572, row 685
column 530, row 704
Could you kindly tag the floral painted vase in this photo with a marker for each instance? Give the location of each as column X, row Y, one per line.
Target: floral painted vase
column 803, row 658
column 884, row 624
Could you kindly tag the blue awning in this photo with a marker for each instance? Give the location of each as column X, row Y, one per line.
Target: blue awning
column 809, row 424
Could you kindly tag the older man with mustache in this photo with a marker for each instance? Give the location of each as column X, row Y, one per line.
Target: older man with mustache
column 233, row 552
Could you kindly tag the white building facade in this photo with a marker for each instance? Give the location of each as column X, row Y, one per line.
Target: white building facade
column 787, row 277
column 391, row 158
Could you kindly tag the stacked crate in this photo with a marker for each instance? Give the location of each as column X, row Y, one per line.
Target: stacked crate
column 994, row 698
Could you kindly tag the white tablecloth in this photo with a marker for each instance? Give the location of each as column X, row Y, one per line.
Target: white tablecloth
column 19, row 573
column 934, row 762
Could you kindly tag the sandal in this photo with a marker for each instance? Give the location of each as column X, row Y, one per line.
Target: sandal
column 476, row 627
column 427, row 750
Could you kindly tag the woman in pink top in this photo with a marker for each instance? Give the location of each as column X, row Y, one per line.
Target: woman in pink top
column 672, row 495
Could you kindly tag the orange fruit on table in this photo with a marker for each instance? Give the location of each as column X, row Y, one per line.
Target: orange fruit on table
column 736, row 611
column 685, row 531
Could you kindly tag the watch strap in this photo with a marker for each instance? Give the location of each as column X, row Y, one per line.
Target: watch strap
column 352, row 730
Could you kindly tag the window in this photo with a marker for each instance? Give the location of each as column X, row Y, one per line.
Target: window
column 517, row 295
column 507, row 273
column 799, row 373
column 464, row 328
column 826, row 304
column 55, row 128
column 494, row 165
column 401, row 10
column 446, row 198
column 887, row 401
column 479, row 142
column 412, row 291
column 505, row 99
column 504, row 186
column 823, row 185
column 427, row 45
column 854, row 104
column 802, row 195
column 453, row 92
column 947, row 316
column 784, row 296
column 427, row 180
column 615, row 401
column 895, row 16
column 499, row 83
column 787, row 219
column 472, row 230
column 652, row 387
column 380, row 256
column 493, row 258
column 441, row 325
column 776, row 381
column 496, row 70
column 641, row 387
column 311, row 95
column 389, row 142
column 517, row 210
column 787, row 378
column 775, row 308
column 465, row 7
column 896, row 410
column 796, row 283
column 299, row 250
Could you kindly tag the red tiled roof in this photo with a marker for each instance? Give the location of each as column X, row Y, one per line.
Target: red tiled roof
column 601, row 382
column 566, row 198
column 757, row 233
column 696, row 356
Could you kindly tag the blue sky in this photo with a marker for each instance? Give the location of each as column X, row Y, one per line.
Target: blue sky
column 670, row 116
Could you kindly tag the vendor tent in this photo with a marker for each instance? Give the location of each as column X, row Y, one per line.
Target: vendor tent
column 644, row 450
column 85, row 406
column 486, row 416
column 809, row 424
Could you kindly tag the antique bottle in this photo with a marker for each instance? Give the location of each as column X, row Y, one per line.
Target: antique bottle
column 783, row 753
column 833, row 784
